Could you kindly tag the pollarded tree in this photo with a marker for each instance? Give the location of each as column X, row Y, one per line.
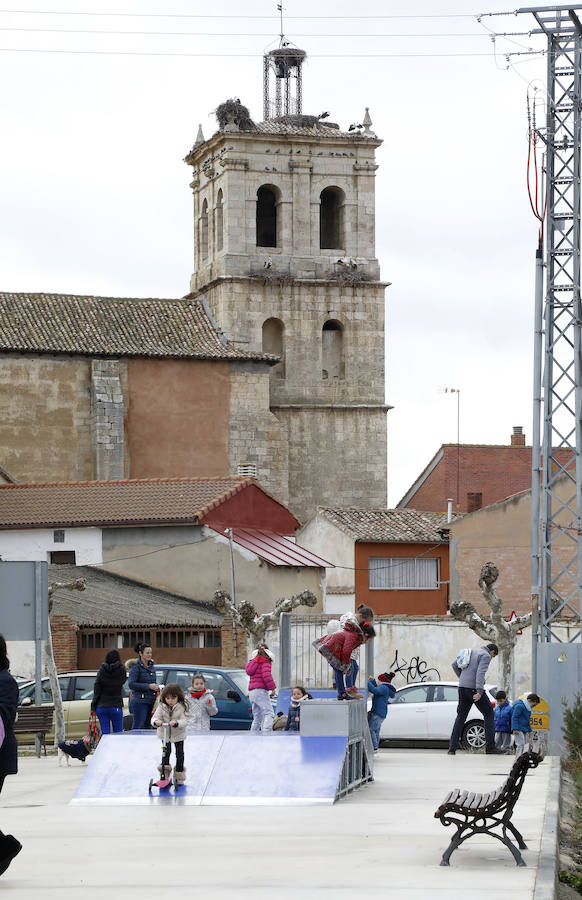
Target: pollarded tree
column 254, row 625
column 494, row 629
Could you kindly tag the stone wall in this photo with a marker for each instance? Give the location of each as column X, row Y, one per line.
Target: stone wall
column 337, row 457
column 256, row 436
column 107, row 419
column 45, row 431
column 243, row 305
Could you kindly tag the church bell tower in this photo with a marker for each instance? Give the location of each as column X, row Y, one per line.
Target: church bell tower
column 284, row 253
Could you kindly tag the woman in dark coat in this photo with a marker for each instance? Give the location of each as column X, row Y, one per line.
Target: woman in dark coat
column 143, row 687
column 9, row 846
column 107, row 698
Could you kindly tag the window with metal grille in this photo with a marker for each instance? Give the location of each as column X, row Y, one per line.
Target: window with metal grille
column 59, row 536
column 247, row 470
column 403, row 574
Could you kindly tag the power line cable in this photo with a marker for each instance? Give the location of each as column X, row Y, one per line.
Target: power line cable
column 395, row 55
column 53, row 12
column 268, row 34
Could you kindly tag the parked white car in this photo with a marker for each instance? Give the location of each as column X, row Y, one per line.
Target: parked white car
column 426, row 711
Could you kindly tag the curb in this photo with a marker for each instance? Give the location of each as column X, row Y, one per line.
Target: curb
column 546, row 884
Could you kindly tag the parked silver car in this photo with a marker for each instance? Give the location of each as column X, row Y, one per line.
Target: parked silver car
column 426, row 711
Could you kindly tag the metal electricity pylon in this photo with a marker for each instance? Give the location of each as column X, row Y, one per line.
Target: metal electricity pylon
column 557, row 453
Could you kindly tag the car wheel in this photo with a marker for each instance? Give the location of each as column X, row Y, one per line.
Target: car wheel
column 473, row 736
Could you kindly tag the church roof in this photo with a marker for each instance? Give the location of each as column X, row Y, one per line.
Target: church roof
column 276, row 126
column 387, row 525
column 114, row 326
column 142, row 501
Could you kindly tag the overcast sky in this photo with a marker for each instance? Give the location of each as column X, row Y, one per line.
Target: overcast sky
column 95, row 197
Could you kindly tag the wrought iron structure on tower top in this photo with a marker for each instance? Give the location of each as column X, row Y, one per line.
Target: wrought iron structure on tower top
column 282, row 86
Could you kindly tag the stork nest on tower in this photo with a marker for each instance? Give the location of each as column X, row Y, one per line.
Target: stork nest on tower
column 233, row 116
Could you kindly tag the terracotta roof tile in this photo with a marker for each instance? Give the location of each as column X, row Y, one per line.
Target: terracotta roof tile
column 103, row 503
column 387, row 525
column 113, row 326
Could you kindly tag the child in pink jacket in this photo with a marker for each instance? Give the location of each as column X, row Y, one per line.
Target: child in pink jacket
column 260, row 687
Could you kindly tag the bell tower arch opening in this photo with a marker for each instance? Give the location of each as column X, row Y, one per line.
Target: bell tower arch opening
column 273, row 334
column 219, row 219
column 331, row 219
column 332, row 350
column 204, row 230
column 268, row 198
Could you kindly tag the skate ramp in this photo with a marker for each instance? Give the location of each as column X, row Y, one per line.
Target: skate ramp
column 222, row 768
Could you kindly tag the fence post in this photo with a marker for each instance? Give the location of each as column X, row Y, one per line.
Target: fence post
column 285, row 650
column 369, row 648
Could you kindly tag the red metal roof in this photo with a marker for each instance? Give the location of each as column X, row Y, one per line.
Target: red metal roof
column 276, row 549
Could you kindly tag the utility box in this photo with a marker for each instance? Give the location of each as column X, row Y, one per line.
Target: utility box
column 334, row 718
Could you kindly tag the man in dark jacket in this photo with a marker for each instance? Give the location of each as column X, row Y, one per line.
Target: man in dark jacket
column 472, row 690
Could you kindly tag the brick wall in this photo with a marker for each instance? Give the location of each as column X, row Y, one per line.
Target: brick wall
column 64, row 633
column 494, row 472
column 230, row 657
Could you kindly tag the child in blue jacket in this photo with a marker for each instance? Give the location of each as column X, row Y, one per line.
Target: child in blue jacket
column 521, row 721
column 382, row 692
column 502, row 712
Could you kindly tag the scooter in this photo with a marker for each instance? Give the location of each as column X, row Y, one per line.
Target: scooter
column 163, row 783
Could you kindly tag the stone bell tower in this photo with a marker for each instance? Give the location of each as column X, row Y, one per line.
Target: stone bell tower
column 285, row 256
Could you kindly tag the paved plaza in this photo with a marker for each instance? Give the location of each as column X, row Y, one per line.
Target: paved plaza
column 382, row 840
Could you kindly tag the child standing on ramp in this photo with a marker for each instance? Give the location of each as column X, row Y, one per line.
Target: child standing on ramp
column 260, row 687
column 337, row 649
column 202, row 704
column 172, row 710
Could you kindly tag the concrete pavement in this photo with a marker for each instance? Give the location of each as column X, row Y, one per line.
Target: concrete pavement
column 383, row 839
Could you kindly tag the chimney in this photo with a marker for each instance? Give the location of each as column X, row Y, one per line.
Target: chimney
column 518, row 437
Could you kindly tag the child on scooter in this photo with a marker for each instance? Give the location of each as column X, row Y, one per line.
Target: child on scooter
column 172, row 710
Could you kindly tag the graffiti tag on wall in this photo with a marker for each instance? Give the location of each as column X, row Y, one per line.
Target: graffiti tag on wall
column 415, row 670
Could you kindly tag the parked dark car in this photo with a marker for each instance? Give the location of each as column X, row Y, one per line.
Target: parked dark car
column 229, row 686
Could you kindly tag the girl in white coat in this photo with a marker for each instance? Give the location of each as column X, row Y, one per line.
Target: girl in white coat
column 202, row 705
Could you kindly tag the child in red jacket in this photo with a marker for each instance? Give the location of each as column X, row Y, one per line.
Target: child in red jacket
column 337, row 649
column 260, row 687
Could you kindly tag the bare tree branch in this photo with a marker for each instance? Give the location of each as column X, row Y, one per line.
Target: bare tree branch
column 254, row 625
column 495, row 629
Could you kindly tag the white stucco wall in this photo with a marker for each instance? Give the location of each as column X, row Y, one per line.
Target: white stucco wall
column 35, row 544
column 419, row 648
column 335, row 546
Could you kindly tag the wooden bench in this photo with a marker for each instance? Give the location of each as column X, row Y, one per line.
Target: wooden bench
column 38, row 719
column 474, row 813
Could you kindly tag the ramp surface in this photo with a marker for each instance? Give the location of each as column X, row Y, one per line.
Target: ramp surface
column 222, row 768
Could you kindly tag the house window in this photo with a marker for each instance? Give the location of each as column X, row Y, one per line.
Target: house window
column 63, row 557
column 266, row 217
column 474, row 501
column 331, row 219
column 403, row 574
column 59, row 536
column 332, row 351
